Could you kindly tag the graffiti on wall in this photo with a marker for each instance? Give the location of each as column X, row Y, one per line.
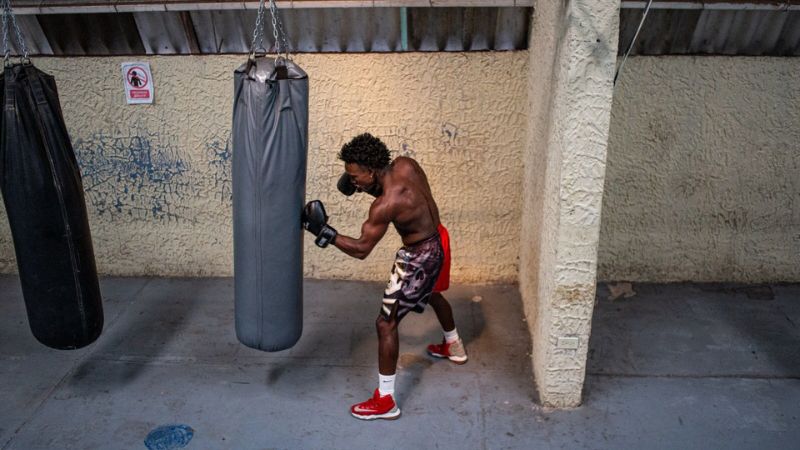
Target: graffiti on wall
column 218, row 155
column 139, row 175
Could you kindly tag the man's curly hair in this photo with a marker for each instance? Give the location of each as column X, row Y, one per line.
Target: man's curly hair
column 366, row 150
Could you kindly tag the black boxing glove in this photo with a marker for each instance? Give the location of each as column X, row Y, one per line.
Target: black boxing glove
column 316, row 222
column 345, row 185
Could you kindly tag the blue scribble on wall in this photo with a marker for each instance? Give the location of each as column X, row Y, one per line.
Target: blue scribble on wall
column 449, row 133
column 140, row 175
column 218, row 152
column 169, row 437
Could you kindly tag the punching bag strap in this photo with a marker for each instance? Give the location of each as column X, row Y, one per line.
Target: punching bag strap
column 10, row 101
column 36, row 85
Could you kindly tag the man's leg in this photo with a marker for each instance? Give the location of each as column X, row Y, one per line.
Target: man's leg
column 452, row 347
column 382, row 404
column 388, row 346
column 443, row 311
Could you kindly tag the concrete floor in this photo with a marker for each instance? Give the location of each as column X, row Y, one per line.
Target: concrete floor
column 674, row 367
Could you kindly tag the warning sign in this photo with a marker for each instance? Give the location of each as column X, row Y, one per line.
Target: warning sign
column 138, row 82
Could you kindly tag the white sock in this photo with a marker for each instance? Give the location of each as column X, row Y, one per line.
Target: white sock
column 451, row 336
column 385, row 384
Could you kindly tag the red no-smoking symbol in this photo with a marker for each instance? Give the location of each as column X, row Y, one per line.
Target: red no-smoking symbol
column 137, row 77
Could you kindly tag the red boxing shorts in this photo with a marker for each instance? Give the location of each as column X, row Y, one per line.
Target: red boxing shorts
column 443, row 282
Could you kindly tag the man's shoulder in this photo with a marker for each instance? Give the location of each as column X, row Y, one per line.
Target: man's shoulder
column 382, row 207
column 404, row 163
column 401, row 160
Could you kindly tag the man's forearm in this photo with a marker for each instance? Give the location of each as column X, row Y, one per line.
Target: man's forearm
column 350, row 246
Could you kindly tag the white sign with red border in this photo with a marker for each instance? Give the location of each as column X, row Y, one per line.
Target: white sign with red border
column 138, row 82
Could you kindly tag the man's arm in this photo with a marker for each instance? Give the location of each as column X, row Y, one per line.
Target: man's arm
column 372, row 231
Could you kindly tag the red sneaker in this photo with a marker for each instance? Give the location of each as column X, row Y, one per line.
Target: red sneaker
column 376, row 408
column 454, row 351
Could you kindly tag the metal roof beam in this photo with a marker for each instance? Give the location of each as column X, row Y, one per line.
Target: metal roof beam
column 112, row 6
column 715, row 5
column 24, row 7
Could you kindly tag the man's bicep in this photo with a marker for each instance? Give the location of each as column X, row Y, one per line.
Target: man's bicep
column 376, row 225
column 374, row 229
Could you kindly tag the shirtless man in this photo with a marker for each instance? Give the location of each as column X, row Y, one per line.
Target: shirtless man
column 421, row 268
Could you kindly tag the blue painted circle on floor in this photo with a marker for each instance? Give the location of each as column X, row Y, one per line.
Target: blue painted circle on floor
column 169, row 437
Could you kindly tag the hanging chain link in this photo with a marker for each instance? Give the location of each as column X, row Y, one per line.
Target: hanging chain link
column 258, row 31
column 6, row 51
column 9, row 13
column 277, row 30
column 20, row 39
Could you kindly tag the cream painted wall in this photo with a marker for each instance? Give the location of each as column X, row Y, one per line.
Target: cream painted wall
column 573, row 50
column 158, row 177
column 703, row 171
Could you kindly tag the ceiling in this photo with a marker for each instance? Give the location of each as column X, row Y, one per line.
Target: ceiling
column 128, row 27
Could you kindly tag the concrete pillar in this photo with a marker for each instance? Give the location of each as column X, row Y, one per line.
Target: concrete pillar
column 573, row 48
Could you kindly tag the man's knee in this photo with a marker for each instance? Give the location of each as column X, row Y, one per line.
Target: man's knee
column 437, row 299
column 384, row 325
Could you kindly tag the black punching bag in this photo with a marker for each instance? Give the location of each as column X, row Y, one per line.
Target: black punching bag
column 43, row 196
column 270, row 148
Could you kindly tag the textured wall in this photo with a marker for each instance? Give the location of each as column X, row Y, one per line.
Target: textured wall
column 539, row 213
column 573, row 48
column 703, row 164
column 158, row 177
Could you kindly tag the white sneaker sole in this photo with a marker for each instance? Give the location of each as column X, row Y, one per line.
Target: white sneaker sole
column 456, row 359
column 391, row 415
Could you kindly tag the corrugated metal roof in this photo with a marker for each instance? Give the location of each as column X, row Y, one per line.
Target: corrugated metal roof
column 712, row 32
column 34, row 36
column 166, row 33
column 308, row 30
column 91, row 34
column 97, row 6
column 463, row 29
column 701, row 30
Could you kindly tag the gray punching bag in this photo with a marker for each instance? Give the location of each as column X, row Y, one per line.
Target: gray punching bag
column 270, row 149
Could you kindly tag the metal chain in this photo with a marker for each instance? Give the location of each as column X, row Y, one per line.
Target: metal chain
column 8, row 12
column 258, row 31
column 20, row 39
column 6, row 50
column 272, row 8
column 277, row 29
column 283, row 38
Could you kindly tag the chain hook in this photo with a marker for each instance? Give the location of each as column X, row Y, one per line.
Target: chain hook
column 277, row 31
column 9, row 13
column 278, row 34
column 258, row 32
